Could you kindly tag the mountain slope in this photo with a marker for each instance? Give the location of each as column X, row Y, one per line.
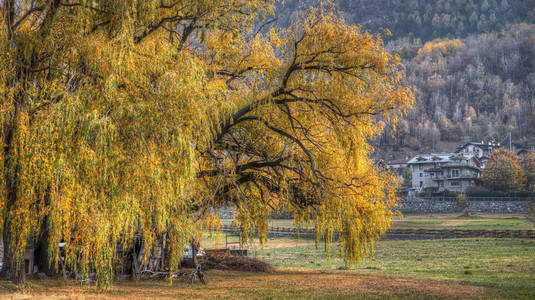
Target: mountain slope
column 471, row 65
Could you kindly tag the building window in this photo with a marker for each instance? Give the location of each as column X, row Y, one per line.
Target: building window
column 455, row 183
column 421, row 174
column 421, row 183
column 455, row 173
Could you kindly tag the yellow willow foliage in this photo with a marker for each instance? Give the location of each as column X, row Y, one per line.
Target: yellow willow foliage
column 308, row 101
column 102, row 110
column 124, row 118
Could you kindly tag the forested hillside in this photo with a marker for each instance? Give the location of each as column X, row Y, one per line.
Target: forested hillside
column 425, row 19
column 481, row 87
column 471, row 65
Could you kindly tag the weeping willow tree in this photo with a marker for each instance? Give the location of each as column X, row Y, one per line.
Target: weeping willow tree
column 127, row 120
column 101, row 112
column 308, row 100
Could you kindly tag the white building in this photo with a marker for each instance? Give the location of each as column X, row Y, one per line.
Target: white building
column 481, row 150
column 397, row 165
column 445, row 171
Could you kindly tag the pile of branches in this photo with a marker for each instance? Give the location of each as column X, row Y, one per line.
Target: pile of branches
column 235, row 263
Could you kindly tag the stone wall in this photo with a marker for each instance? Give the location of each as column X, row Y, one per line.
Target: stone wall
column 451, row 205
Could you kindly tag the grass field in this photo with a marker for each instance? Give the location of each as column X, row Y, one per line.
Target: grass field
column 505, row 266
column 445, row 221
column 431, row 269
column 477, row 221
column 472, row 268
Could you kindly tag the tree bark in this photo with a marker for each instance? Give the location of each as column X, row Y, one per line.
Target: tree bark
column 197, row 272
column 13, row 268
column 137, row 256
column 135, row 266
column 162, row 261
column 13, row 265
column 42, row 259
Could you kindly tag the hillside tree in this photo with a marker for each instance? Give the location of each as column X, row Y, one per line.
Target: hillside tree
column 503, row 172
column 528, row 164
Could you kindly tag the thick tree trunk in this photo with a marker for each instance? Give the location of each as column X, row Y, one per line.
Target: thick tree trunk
column 42, row 258
column 135, row 266
column 41, row 254
column 197, row 272
column 12, row 269
column 162, row 260
column 137, row 259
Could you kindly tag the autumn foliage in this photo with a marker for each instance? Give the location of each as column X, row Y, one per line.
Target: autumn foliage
column 142, row 118
column 503, row 172
column 528, row 163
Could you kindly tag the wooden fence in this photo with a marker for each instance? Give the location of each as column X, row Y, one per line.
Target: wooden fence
column 495, row 199
column 410, row 233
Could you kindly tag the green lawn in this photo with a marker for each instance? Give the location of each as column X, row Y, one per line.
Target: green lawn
column 500, row 224
column 507, row 266
column 443, row 221
column 494, row 222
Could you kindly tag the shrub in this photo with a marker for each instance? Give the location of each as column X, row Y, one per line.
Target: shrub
column 462, row 200
column 445, row 193
column 406, row 174
column 428, row 192
column 531, row 208
column 481, row 191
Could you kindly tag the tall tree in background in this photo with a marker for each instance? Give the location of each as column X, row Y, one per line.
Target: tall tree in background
column 528, row 163
column 503, row 172
column 144, row 117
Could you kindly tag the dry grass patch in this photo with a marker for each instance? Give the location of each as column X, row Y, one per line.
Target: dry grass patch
column 233, row 285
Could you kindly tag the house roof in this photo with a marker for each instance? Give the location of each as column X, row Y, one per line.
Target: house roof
column 397, row 161
column 521, row 151
column 483, row 146
column 441, row 158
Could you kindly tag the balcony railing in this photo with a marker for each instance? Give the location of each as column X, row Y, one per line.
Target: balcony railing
column 449, row 176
